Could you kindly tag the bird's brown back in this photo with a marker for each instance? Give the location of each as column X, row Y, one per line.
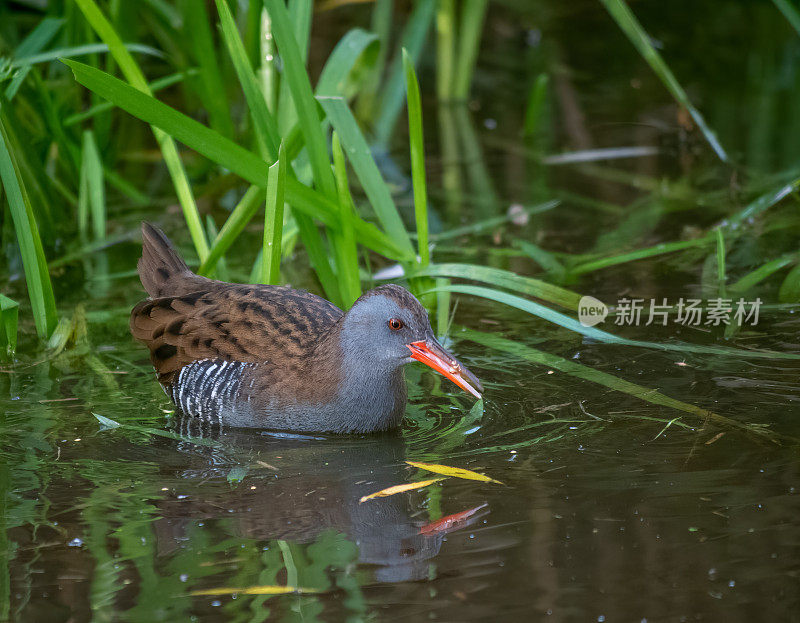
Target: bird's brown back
column 191, row 318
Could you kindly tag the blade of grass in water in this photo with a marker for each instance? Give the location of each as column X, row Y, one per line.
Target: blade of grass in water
column 9, row 311
column 273, row 221
column 608, row 380
column 225, row 153
column 755, row 277
column 720, row 262
column 506, row 279
column 762, row 203
column 639, row 254
column 360, row 156
column 172, row 159
column 344, row 242
column 417, row 148
column 92, row 196
column 543, row 258
column 593, row 333
column 628, row 23
column 40, row 289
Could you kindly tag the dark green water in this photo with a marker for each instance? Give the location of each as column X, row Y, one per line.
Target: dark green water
column 603, row 515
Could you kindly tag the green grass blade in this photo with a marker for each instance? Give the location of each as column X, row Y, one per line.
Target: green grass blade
column 536, row 102
column 640, row 254
column 294, row 73
column 317, row 255
column 445, row 48
column 40, row 289
column 720, row 262
column 38, row 38
column 547, row 260
column 413, row 40
column 360, row 156
column 346, row 253
column 473, row 13
column 273, row 221
column 417, row 147
column 580, row 371
column 755, row 277
column 790, row 12
column 242, row 214
column 226, row 153
column 134, row 75
column 92, row 168
column 790, row 288
column 762, row 203
column 155, row 86
column 198, row 31
column 557, row 318
column 299, row 12
column 263, row 121
column 221, row 270
column 9, row 311
column 340, row 63
column 628, row 23
column 506, row 279
column 78, row 50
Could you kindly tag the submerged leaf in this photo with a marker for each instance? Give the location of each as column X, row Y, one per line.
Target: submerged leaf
column 399, row 489
column 451, row 522
column 456, row 472
column 254, row 590
column 106, row 423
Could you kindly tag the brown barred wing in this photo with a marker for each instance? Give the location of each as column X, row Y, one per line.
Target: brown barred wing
column 227, row 322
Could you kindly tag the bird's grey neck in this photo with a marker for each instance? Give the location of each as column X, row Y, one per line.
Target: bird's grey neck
column 374, row 389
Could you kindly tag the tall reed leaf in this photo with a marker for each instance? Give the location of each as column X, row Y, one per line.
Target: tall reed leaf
column 273, row 221
column 346, row 253
column 360, row 156
column 242, row 214
column 226, row 153
column 294, row 72
column 415, row 33
column 197, row 30
column 473, row 13
column 263, row 121
column 417, row 148
column 627, row 21
column 172, row 159
column 40, row 289
column 92, row 190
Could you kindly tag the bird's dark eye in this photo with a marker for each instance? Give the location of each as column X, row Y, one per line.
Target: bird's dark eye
column 395, row 324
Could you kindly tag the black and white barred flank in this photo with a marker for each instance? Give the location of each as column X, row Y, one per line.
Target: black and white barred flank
column 208, row 388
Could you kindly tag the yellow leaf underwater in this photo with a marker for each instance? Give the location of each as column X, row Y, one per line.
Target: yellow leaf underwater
column 253, row 590
column 399, row 489
column 456, row 472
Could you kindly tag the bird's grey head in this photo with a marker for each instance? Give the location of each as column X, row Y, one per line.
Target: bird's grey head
column 388, row 327
column 382, row 322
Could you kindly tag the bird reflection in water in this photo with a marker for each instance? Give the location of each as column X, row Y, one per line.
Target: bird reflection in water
column 299, row 487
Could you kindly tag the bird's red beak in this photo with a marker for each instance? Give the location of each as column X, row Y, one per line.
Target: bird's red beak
column 433, row 354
